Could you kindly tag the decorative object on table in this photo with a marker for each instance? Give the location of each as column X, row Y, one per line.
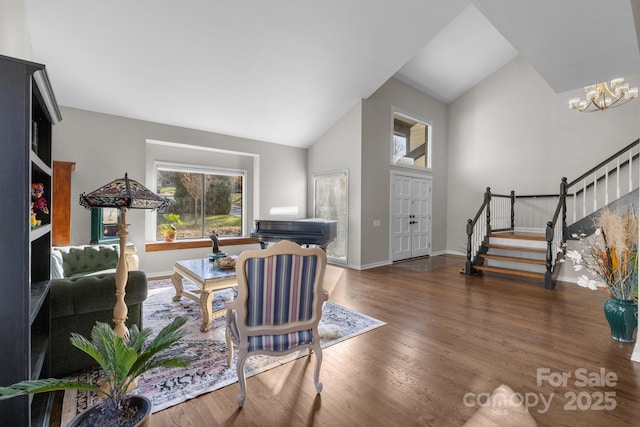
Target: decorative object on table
column 215, row 242
column 610, row 258
column 122, row 193
column 226, row 262
column 40, row 205
column 122, row 360
column 170, row 230
column 214, row 257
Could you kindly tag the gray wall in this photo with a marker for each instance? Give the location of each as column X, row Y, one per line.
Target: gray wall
column 512, row 132
column 14, row 33
column 376, row 168
column 104, row 147
column 340, row 149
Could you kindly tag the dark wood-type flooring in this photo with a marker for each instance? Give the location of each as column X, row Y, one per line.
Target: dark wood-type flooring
column 447, row 335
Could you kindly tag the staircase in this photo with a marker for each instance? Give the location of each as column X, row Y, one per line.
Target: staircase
column 515, row 254
column 495, row 245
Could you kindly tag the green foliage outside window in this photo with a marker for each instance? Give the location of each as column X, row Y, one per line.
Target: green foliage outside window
column 206, row 203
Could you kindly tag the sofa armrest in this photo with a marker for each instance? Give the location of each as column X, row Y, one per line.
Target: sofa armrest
column 79, row 295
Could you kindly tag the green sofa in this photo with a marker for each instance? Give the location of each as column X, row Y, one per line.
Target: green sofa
column 83, row 293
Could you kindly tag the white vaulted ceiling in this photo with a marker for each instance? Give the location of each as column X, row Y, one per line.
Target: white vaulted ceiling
column 285, row 71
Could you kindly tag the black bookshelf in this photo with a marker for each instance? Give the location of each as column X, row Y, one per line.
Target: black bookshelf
column 27, row 112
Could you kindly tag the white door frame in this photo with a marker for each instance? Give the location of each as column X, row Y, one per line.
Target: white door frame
column 392, row 176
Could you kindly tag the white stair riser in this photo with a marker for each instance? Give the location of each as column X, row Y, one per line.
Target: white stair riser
column 539, row 244
column 516, row 265
column 517, row 254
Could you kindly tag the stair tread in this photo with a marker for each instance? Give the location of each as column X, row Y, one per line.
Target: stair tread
column 510, row 271
column 520, row 235
column 514, row 259
column 516, row 248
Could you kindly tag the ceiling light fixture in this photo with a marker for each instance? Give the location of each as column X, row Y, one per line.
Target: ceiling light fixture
column 601, row 96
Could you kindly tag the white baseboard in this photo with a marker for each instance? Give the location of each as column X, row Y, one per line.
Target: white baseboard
column 437, row 253
column 159, row 274
column 453, row 252
column 373, row 265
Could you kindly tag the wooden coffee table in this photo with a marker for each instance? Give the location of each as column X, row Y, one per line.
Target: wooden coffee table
column 210, row 278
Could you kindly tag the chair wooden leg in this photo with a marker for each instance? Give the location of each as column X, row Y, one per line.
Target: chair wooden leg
column 241, row 378
column 229, row 347
column 316, row 374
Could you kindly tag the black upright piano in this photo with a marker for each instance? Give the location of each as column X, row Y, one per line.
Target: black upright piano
column 311, row 231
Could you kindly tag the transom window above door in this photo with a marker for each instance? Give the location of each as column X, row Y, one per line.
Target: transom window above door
column 410, row 141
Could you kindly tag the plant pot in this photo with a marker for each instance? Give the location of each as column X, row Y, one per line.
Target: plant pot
column 87, row 417
column 170, row 236
column 622, row 316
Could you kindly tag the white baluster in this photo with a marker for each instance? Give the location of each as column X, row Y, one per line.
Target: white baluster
column 606, row 185
column 617, row 178
column 595, row 192
column 630, row 171
column 584, row 198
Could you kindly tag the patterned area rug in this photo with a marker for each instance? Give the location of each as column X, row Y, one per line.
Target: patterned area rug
column 207, row 351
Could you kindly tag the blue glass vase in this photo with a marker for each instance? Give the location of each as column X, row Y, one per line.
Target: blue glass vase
column 623, row 318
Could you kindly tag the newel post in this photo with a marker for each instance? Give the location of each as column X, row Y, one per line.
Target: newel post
column 513, row 210
column 468, row 270
column 487, row 199
column 563, row 195
column 548, row 276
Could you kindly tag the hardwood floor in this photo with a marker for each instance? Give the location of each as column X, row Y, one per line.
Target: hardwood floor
column 447, row 335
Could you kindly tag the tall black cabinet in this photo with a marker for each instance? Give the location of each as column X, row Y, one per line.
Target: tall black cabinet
column 27, row 111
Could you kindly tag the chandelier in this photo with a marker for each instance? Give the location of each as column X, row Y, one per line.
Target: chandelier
column 601, row 96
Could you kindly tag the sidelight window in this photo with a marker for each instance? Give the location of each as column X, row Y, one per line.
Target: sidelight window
column 331, row 201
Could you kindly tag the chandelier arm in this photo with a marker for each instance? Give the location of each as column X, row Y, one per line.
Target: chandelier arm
column 598, row 108
column 606, row 88
column 613, row 104
column 595, row 105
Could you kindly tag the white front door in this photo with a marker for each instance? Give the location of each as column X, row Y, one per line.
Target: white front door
column 410, row 217
column 421, row 211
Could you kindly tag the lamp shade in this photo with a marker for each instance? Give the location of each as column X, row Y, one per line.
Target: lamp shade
column 123, row 193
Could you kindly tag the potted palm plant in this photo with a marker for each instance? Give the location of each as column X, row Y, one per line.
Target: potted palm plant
column 123, row 360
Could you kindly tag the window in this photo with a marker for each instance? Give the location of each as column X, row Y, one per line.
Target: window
column 204, row 200
column 410, row 141
column 331, row 201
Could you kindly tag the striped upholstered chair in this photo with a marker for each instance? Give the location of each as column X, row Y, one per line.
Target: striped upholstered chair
column 279, row 305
